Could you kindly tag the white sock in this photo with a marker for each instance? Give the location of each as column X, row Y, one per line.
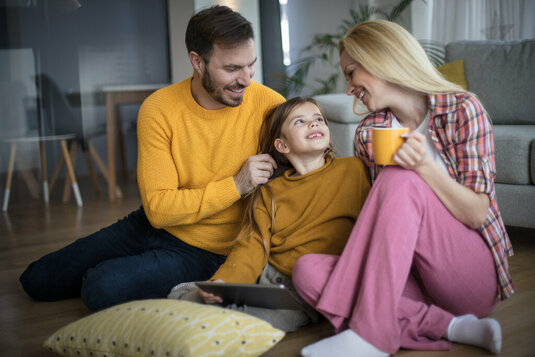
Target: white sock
column 470, row 330
column 344, row 344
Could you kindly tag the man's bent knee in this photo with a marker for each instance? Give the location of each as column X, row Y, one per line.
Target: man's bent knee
column 98, row 291
column 41, row 284
column 32, row 281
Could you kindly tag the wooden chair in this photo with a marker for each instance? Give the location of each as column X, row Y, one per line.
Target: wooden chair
column 58, row 122
column 66, row 120
column 41, row 140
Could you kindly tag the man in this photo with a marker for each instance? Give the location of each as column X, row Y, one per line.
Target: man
column 196, row 160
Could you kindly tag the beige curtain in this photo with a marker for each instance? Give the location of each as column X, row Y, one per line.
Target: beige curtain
column 452, row 20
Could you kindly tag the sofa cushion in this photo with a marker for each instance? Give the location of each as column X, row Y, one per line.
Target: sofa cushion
column 165, row 327
column 515, row 154
column 338, row 107
column 502, row 74
column 454, row 72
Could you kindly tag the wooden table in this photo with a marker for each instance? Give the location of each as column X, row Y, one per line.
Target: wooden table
column 114, row 96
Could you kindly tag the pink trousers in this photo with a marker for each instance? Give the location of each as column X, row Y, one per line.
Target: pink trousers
column 408, row 267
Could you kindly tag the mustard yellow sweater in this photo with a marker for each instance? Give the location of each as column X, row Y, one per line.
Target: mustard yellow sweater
column 187, row 157
column 313, row 213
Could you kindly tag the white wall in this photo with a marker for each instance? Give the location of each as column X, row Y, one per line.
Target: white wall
column 421, row 14
column 528, row 24
column 387, row 5
column 310, row 17
column 180, row 12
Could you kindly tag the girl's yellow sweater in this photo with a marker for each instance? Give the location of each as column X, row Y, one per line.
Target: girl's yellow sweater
column 187, row 157
column 312, row 213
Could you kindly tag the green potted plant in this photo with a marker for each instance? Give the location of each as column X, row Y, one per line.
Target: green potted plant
column 324, row 49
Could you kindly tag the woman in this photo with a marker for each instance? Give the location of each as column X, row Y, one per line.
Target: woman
column 428, row 254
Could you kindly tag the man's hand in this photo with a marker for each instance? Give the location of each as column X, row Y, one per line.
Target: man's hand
column 255, row 171
column 210, row 298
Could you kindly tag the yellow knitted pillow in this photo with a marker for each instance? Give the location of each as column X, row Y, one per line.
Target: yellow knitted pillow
column 454, row 72
column 165, row 327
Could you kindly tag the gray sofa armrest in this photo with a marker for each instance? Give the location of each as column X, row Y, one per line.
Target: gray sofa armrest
column 515, row 154
column 338, row 109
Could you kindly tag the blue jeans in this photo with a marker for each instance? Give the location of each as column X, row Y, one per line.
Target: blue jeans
column 129, row 260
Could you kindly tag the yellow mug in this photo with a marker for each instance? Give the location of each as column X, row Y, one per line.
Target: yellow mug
column 385, row 142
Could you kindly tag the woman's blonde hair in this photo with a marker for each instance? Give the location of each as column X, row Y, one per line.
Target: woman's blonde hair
column 389, row 52
column 272, row 129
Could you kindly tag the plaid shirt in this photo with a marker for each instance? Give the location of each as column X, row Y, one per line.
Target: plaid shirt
column 462, row 133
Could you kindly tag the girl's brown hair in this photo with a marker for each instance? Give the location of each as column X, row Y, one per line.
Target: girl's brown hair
column 272, row 129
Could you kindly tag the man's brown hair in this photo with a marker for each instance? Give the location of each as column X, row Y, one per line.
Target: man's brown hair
column 216, row 25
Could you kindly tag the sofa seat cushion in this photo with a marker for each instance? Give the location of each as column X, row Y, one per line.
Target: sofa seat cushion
column 515, row 154
column 516, row 204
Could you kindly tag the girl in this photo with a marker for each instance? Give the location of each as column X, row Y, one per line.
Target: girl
column 311, row 208
column 428, row 254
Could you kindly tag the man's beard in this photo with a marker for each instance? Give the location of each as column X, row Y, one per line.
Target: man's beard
column 208, row 85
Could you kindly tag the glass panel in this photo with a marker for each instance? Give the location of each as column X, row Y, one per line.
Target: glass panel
column 56, row 55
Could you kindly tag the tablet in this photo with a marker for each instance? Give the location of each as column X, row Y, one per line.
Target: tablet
column 266, row 296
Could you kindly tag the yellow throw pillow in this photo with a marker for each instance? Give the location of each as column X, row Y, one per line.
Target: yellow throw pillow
column 165, row 327
column 454, row 72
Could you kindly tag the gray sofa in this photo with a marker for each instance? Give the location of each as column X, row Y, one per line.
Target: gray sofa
column 502, row 75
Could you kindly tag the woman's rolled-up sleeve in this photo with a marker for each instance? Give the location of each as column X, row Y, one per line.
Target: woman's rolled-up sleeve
column 475, row 148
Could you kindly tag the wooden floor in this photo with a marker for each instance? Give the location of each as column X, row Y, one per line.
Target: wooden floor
column 30, row 230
